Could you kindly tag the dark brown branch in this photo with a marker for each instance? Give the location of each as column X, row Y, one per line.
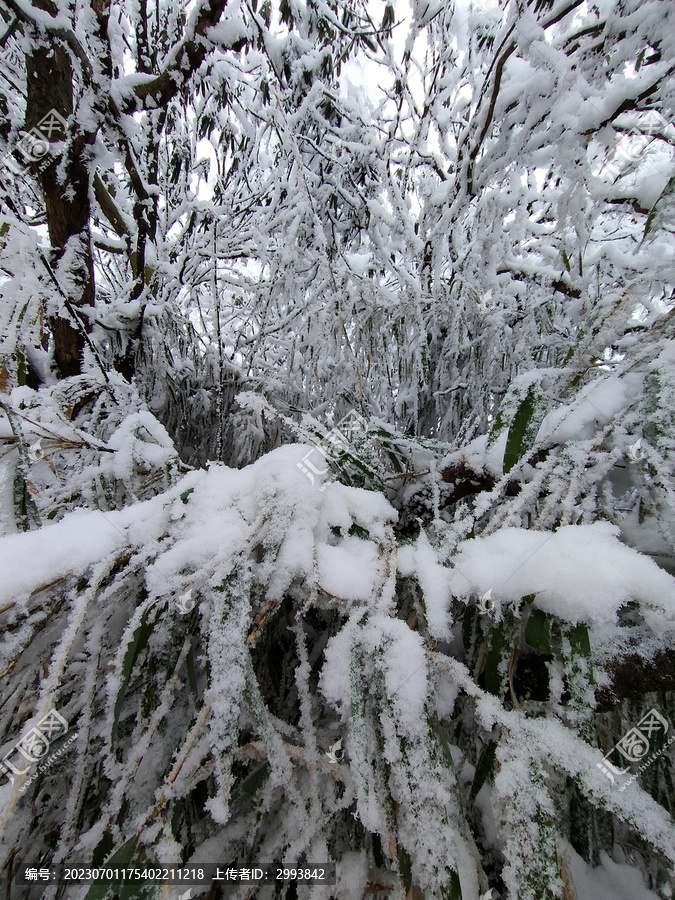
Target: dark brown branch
column 189, row 57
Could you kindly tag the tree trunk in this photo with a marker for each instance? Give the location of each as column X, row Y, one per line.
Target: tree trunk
column 49, row 78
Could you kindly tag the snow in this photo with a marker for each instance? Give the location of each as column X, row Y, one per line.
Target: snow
column 352, row 875
column 597, row 405
column 67, row 548
column 391, row 648
column 580, row 573
column 350, row 570
column 420, row 560
column 216, row 523
column 608, row 881
column 231, row 27
column 142, row 441
column 359, row 262
column 321, row 244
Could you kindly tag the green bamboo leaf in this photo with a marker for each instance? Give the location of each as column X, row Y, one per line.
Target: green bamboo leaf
column 25, row 510
column 405, row 867
column 398, row 468
column 21, row 367
column 136, row 645
column 388, row 18
column 484, row 767
column 470, row 630
column 538, row 630
column 103, row 848
column 100, row 891
column 455, row 890
column 137, row 892
column 580, row 640
column 500, row 649
column 243, row 794
column 519, row 416
column 441, row 741
column 496, row 429
column 520, row 436
column 120, row 858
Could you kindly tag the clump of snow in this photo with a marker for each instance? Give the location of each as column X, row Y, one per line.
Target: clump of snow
column 608, row 881
column 359, row 262
column 580, row 573
column 35, row 558
column 350, row 570
column 230, row 29
column 352, row 875
column 217, row 522
column 421, row 561
column 597, row 404
column 141, row 443
column 390, row 648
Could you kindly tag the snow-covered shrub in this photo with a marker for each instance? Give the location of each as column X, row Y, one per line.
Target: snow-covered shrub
column 79, row 443
column 212, row 644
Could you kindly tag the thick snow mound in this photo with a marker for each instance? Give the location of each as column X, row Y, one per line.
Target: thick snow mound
column 580, row 573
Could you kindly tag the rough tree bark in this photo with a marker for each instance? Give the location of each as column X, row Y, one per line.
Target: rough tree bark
column 49, row 80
